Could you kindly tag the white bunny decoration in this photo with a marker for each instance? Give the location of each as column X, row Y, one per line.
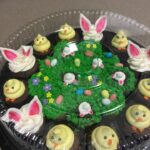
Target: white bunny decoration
column 139, row 58
column 93, row 31
column 28, row 118
column 20, row 60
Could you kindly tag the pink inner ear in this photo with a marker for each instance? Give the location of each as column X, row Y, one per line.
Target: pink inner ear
column 134, row 51
column 148, row 53
column 34, row 108
column 9, row 55
column 101, row 24
column 25, row 53
column 85, row 24
column 14, row 116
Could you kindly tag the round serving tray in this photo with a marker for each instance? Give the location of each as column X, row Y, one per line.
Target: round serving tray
column 50, row 24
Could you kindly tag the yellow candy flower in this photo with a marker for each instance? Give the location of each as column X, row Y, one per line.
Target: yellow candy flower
column 39, row 74
column 51, row 100
column 88, row 45
column 46, row 78
column 90, row 78
column 99, row 83
column 94, row 46
column 48, row 95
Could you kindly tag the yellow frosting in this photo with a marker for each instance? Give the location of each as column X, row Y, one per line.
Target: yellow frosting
column 60, row 137
column 13, row 89
column 120, row 40
column 66, row 32
column 41, row 44
column 104, row 138
column 144, row 87
column 138, row 116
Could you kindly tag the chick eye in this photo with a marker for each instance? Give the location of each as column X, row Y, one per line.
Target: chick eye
column 37, row 39
column 6, row 86
column 43, row 39
column 12, row 87
column 105, row 137
column 117, row 37
column 122, row 36
column 113, row 135
column 137, row 113
column 52, row 137
column 144, row 115
column 59, row 139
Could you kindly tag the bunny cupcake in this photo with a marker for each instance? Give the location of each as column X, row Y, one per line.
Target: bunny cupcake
column 93, row 31
column 28, row 118
column 21, row 63
column 14, row 92
column 139, row 58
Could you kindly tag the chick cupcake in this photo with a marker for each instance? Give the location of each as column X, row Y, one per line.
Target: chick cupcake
column 144, row 88
column 60, row 137
column 138, row 116
column 104, row 138
column 14, row 92
column 66, row 32
column 41, row 46
column 120, row 41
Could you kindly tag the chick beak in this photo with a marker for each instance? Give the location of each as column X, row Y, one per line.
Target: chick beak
column 109, row 142
column 7, row 90
column 139, row 119
column 65, row 31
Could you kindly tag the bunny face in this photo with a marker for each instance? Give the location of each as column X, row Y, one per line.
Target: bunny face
column 21, row 60
column 60, row 137
column 138, row 116
column 66, row 32
column 139, row 58
column 41, row 44
column 14, row 88
column 27, row 119
column 90, row 31
column 104, row 138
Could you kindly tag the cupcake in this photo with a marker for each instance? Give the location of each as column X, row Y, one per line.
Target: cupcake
column 144, row 88
column 120, row 41
column 27, row 119
column 21, row 63
column 138, row 116
column 104, row 138
column 66, row 32
column 14, row 92
column 41, row 46
column 60, row 137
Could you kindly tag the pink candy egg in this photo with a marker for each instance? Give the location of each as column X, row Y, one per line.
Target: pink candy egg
column 47, row 62
column 87, row 92
column 59, row 99
column 113, row 97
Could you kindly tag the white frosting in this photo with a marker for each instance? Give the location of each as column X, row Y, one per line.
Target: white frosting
column 92, row 34
column 22, row 63
column 140, row 63
column 27, row 122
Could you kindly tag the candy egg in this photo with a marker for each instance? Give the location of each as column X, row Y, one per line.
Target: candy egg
column 113, row 97
column 89, row 53
column 59, row 99
column 87, row 92
column 53, row 62
column 105, row 94
column 79, row 91
column 77, row 62
column 47, row 62
column 106, row 101
column 108, row 54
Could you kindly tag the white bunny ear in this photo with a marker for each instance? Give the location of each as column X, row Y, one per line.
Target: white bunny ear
column 133, row 49
column 35, row 107
column 26, row 50
column 85, row 23
column 101, row 24
column 13, row 115
column 9, row 54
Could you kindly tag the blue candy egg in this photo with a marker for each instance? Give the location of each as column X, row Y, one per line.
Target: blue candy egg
column 79, row 91
column 108, row 54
